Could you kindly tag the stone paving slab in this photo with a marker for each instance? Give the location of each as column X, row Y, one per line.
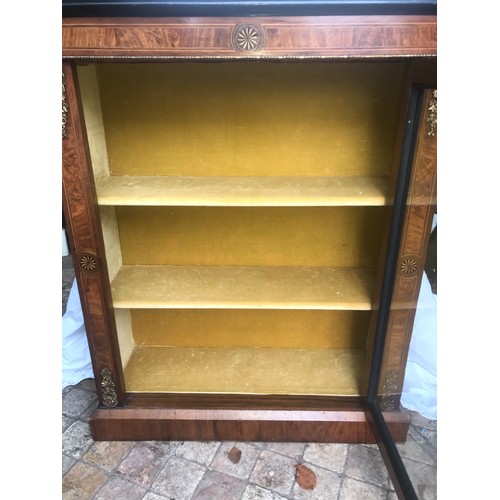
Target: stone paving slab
column 274, row 472
column 82, row 482
column 201, row 452
column 327, row 486
column 117, row 488
column 254, row 492
column 366, row 464
column 178, row 479
column 331, row 456
column 241, row 469
column 76, row 440
column 143, row 463
column 108, row 454
column 75, row 402
column 218, row 485
column 358, row 490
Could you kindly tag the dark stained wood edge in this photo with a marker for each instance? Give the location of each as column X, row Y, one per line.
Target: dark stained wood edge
column 243, row 401
column 237, row 425
column 286, row 37
column 87, row 250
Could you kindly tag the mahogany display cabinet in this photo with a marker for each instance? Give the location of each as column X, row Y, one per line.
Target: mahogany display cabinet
column 238, row 191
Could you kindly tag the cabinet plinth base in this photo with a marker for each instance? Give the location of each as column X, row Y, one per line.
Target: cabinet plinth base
column 346, row 426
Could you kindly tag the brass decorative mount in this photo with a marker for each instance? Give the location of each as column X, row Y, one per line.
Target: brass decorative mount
column 109, row 397
column 65, row 108
column 432, row 117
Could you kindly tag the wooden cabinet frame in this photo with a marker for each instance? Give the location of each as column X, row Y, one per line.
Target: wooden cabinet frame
column 181, row 416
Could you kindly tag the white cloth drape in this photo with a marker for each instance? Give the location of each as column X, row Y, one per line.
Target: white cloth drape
column 420, row 384
column 76, row 363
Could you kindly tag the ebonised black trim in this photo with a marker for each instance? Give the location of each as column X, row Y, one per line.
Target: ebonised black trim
column 207, row 8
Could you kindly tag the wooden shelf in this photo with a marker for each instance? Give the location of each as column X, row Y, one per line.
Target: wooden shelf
column 243, row 287
column 245, row 370
column 242, row 191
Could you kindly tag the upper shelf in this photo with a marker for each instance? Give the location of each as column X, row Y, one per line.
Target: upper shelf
column 243, row 287
column 242, row 191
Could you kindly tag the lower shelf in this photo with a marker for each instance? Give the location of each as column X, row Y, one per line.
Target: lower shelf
column 332, row 372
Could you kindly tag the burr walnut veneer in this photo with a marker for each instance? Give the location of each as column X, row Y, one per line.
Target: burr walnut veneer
column 228, row 185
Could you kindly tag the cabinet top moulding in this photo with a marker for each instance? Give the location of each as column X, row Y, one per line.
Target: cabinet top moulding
column 346, row 37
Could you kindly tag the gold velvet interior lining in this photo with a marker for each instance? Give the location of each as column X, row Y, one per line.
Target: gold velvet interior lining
column 250, row 328
column 271, row 236
column 250, row 118
column 245, row 370
column 247, row 119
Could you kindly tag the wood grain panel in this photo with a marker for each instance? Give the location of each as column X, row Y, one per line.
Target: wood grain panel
column 87, row 251
column 239, row 425
column 328, row 36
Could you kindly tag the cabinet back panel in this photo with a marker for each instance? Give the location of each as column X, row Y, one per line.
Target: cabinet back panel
column 310, row 236
column 256, row 328
column 250, row 118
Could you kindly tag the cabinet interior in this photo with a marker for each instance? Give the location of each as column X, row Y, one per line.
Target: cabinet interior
column 242, row 207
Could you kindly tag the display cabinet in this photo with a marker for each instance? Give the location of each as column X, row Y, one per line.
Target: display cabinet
column 229, row 187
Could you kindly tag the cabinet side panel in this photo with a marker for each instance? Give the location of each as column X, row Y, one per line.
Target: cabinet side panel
column 91, row 103
column 96, row 137
column 125, row 335
column 111, row 240
column 87, row 249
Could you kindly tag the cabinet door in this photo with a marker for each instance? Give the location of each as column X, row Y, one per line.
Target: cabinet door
column 408, row 311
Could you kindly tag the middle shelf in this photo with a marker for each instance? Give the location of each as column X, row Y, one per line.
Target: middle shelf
column 220, row 191
column 243, row 287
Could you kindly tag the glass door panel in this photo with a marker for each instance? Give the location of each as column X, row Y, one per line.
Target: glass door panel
column 402, row 389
